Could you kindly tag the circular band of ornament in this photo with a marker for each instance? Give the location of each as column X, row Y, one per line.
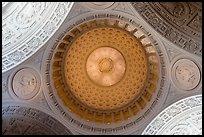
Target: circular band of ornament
column 179, row 22
column 186, row 74
column 105, row 66
column 25, row 83
column 183, row 117
column 86, row 119
column 85, row 71
column 21, row 119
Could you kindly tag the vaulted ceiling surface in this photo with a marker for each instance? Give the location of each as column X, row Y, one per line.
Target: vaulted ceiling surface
column 100, row 67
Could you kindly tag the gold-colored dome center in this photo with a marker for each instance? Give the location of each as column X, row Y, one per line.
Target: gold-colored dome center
column 106, row 68
column 105, row 65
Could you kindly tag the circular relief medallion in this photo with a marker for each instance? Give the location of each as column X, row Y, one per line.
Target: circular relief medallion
column 105, row 66
column 185, row 74
column 26, row 83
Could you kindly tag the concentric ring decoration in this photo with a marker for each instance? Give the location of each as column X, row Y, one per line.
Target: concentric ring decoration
column 25, row 83
column 105, row 66
column 178, row 22
column 100, row 96
column 77, row 97
column 186, row 74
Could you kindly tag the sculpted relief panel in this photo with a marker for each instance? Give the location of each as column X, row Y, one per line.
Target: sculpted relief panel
column 185, row 74
column 184, row 117
column 24, row 84
column 26, row 26
column 179, row 22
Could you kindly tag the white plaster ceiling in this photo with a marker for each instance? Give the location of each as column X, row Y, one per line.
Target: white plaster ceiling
column 183, row 117
column 27, row 26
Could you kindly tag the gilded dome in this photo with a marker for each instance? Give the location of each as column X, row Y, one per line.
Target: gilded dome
column 101, row 70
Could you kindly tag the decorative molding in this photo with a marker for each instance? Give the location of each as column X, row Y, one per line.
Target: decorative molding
column 179, row 22
column 183, row 117
column 26, row 27
column 24, row 83
column 186, row 74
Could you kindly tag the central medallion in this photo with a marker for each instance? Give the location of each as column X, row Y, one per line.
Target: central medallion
column 105, row 66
